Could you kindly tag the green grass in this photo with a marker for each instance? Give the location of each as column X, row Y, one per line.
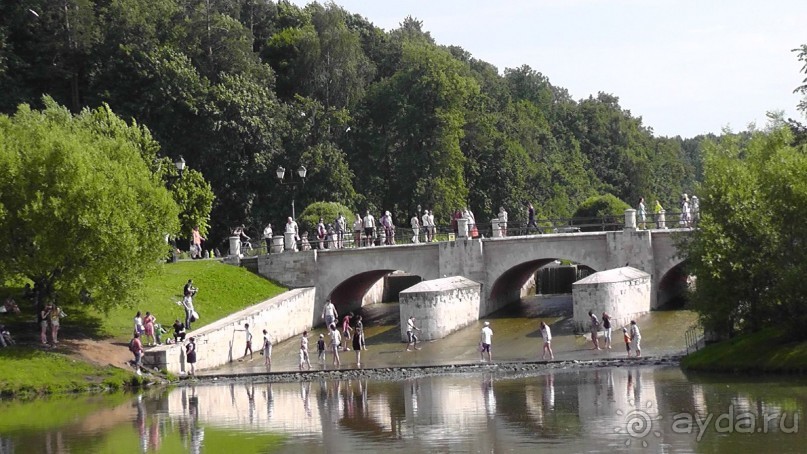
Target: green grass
column 767, row 351
column 223, row 289
column 27, row 371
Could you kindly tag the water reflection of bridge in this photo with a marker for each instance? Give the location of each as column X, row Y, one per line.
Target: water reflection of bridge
column 475, row 412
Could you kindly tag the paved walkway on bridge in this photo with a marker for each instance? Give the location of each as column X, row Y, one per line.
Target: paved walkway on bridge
column 516, row 338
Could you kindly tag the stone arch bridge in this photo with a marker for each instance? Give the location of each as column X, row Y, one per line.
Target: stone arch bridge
column 501, row 265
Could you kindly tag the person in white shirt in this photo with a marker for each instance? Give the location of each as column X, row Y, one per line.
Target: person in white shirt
column 358, row 225
column 546, row 334
column 291, row 227
column 369, row 228
column 635, row 338
column 487, row 336
column 339, row 226
column 432, row 226
column 329, row 313
column 267, row 236
column 503, row 221
column 427, row 234
column 415, row 222
column 412, row 337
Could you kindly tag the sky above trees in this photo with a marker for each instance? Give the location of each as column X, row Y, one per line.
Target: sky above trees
column 686, row 67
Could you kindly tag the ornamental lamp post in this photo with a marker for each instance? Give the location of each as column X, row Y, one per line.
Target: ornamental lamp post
column 301, row 173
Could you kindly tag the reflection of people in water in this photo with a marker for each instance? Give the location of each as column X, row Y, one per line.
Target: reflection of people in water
column 251, row 398
column 197, row 432
column 270, row 400
column 489, row 397
column 549, row 391
column 305, row 391
column 140, row 423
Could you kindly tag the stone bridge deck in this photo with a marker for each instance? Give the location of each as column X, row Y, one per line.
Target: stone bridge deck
column 501, row 265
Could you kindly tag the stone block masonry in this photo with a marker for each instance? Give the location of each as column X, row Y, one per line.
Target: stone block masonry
column 223, row 341
column 624, row 293
column 440, row 306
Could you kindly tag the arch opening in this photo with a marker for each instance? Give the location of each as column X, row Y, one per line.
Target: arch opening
column 548, row 276
column 371, row 287
column 673, row 288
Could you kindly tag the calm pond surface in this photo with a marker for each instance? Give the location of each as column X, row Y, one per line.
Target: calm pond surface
column 627, row 409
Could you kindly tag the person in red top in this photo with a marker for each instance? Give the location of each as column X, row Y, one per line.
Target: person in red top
column 346, row 330
column 196, row 243
column 136, row 347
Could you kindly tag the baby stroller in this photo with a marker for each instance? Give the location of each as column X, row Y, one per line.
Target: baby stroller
column 5, row 337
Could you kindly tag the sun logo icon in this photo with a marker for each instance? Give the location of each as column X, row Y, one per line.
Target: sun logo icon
column 638, row 424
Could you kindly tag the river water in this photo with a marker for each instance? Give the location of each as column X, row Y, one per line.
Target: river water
column 626, row 409
column 568, row 409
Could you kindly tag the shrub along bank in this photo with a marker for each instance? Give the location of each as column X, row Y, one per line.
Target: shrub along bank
column 767, row 351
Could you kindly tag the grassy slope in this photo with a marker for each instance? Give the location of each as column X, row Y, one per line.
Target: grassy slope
column 224, row 289
column 767, row 351
column 28, row 371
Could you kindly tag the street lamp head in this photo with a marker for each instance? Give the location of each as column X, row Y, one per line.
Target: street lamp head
column 180, row 165
column 302, row 171
column 419, row 208
column 281, row 172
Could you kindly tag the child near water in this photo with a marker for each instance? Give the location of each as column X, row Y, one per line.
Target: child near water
column 321, row 348
column 626, row 336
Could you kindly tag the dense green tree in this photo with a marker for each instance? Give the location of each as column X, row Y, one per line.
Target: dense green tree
column 747, row 253
column 327, row 211
column 80, row 209
column 606, row 210
column 415, row 122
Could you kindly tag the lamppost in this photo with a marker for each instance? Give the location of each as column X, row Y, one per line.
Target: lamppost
column 301, row 172
column 180, row 165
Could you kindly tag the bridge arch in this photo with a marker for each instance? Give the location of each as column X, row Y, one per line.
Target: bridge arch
column 673, row 285
column 349, row 295
column 507, row 287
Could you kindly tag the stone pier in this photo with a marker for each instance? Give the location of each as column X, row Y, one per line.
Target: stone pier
column 440, row 306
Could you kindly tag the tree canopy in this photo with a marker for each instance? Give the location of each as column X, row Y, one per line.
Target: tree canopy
column 81, row 212
column 386, row 120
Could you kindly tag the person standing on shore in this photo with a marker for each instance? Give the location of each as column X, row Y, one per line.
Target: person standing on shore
column 410, row 334
column 635, row 338
column 267, row 349
column 43, row 317
column 304, row 351
column 359, row 328
column 248, row 339
column 136, row 347
column 346, row 330
column 487, row 340
column 190, row 355
column 321, row 348
column 626, row 336
column 357, row 346
column 329, row 313
column 336, row 339
column 595, row 329
column 606, row 325
column 546, row 334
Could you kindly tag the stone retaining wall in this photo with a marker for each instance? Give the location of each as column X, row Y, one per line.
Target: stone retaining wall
column 222, row 341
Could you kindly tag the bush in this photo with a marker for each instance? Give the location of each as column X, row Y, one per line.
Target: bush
column 328, row 211
column 606, row 207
